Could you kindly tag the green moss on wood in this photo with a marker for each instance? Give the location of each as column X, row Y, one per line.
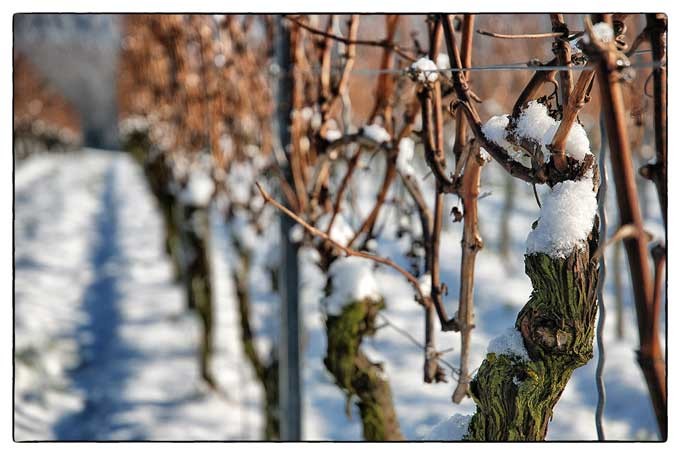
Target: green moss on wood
column 356, row 374
column 515, row 398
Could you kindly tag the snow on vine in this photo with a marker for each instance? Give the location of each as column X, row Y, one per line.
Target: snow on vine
column 425, row 284
column 405, row 158
column 566, row 218
column 425, row 70
column 376, row 133
column 494, row 130
column 509, row 343
column 352, row 279
column 602, row 31
column 341, row 231
column 568, row 209
column 535, row 123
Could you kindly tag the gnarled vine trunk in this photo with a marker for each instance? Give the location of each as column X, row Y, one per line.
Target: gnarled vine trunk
column 356, row 374
column 515, row 397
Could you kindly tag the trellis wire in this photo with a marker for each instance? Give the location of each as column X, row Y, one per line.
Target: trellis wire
column 505, row 67
column 519, row 66
column 601, row 354
column 404, row 333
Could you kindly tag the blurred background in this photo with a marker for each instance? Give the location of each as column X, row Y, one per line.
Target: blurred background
column 108, row 344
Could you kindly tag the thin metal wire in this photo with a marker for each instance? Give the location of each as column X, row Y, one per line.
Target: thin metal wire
column 506, row 67
column 455, row 372
column 519, row 66
column 601, row 354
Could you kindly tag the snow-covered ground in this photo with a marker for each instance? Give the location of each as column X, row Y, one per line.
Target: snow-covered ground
column 106, row 350
column 104, row 346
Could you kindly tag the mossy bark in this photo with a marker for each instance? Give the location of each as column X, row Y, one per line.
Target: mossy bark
column 356, row 374
column 515, row 398
column 196, row 229
column 267, row 373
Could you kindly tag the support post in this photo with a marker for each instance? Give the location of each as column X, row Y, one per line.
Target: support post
column 289, row 342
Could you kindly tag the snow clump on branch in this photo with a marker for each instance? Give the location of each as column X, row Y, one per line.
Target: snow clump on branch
column 536, row 124
column 341, row 232
column 352, row 279
column 568, row 211
column 494, row 130
column 602, row 31
column 333, row 135
column 376, row 133
column 405, row 158
column 509, row 343
column 425, row 284
column 425, row 70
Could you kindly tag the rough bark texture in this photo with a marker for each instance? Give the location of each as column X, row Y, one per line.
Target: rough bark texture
column 515, row 398
column 356, row 374
column 196, row 230
column 267, row 373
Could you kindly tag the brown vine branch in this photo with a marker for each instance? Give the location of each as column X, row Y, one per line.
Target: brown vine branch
column 629, row 210
column 562, row 50
column 531, row 90
column 464, row 102
column 472, row 241
column 348, row 251
column 577, row 100
column 657, row 23
column 384, row 44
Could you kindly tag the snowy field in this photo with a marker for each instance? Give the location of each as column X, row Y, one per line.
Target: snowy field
column 106, row 350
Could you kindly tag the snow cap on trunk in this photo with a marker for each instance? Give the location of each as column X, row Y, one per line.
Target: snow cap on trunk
column 352, row 279
column 566, row 218
column 509, row 343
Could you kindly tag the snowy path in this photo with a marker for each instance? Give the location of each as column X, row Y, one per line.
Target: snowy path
column 105, row 349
